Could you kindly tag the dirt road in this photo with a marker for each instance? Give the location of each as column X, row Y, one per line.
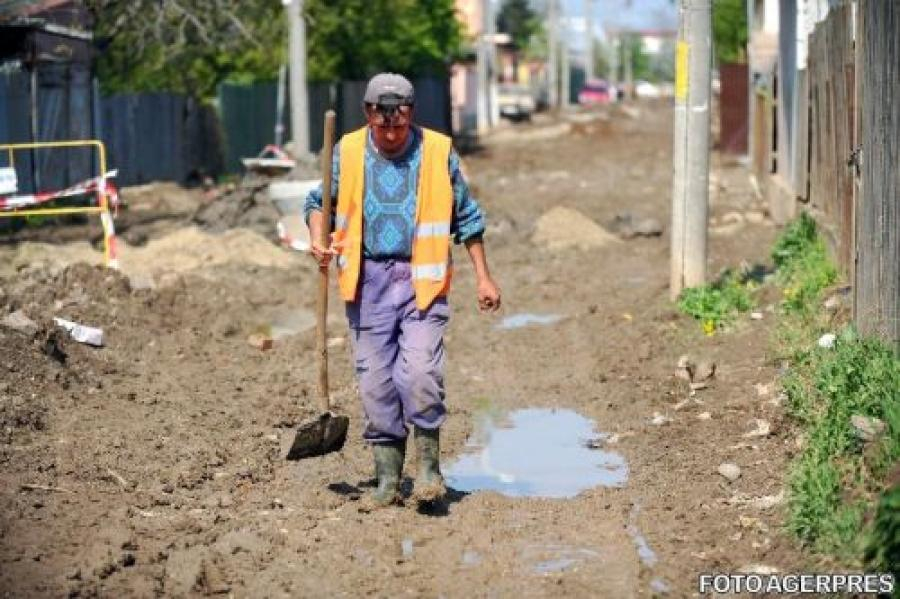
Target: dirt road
column 153, row 466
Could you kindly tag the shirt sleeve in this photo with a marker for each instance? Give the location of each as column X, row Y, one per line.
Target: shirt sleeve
column 314, row 197
column 468, row 219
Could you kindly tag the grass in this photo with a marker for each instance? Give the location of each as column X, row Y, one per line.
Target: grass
column 717, row 304
column 838, row 481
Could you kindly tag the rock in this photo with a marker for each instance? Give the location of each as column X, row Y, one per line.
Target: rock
column 730, row 471
column 685, row 368
column 705, row 371
column 659, row 419
column 260, row 341
column 141, row 282
column 762, row 429
column 833, row 303
column 866, row 428
column 406, row 546
column 19, row 321
column 627, row 226
column 704, row 416
column 732, row 217
column 827, row 340
column 755, row 217
column 756, row 316
column 764, row 389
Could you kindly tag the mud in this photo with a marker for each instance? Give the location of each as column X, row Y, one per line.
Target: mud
column 153, row 467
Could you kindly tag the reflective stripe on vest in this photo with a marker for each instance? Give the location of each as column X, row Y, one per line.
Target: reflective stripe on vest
column 434, row 209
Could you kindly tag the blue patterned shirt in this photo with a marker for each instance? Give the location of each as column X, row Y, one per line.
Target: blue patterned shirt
column 389, row 200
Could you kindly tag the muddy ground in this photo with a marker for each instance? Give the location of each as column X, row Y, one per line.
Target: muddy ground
column 153, row 466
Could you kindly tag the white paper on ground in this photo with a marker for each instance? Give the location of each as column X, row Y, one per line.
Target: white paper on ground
column 81, row 333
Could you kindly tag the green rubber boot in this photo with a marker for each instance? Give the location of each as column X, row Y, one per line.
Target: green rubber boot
column 429, row 486
column 388, row 467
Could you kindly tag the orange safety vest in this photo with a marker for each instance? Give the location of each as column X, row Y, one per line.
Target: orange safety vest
column 431, row 261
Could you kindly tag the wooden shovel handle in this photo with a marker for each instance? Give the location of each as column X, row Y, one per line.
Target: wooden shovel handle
column 325, row 241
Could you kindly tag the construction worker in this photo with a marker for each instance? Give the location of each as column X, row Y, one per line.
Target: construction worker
column 401, row 197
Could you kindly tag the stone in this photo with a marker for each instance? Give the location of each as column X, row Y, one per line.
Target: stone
column 19, row 321
column 705, row 370
column 259, row 341
column 827, row 340
column 866, row 428
column 762, row 429
column 730, row 471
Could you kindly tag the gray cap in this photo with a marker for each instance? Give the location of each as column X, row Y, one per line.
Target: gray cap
column 389, row 88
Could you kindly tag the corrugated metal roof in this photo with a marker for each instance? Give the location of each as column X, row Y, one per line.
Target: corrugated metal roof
column 24, row 8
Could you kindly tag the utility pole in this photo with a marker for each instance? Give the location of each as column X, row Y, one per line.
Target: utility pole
column 552, row 53
column 589, row 40
column 483, row 70
column 628, row 65
column 493, row 66
column 564, row 85
column 297, row 61
column 690, row 186
column 614, row 61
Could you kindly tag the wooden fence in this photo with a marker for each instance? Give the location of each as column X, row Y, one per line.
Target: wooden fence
column 877, row 207
column 850, row 155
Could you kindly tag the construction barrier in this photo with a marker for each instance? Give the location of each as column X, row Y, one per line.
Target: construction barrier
column 100, row 187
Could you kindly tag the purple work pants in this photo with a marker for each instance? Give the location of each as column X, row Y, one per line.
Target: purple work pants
column 399, row 352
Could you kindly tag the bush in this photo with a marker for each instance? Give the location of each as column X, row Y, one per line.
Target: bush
column 716, row 304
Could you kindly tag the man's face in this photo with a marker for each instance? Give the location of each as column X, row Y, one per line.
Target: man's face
column 390, row 127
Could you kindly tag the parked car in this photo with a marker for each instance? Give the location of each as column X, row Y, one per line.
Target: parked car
column 516, row 102
column 645, row 89
column 595, row 92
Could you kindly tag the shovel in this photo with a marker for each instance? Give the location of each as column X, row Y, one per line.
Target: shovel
column 327, row 432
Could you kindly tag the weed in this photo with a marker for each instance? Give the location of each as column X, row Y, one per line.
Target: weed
column 837, row 478
column 715, row 305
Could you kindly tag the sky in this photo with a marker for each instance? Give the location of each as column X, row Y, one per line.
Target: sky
column 641, row 14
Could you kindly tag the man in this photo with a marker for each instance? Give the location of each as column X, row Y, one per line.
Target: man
column 400, row 198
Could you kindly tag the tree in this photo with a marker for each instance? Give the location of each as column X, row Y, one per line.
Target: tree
column 187, row 46
column 190, row 46
column 730, row 30
column 518, row 19
column 354, row 39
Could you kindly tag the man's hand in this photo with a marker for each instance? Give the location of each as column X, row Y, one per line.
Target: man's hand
column 488, row 295
column 322, row 255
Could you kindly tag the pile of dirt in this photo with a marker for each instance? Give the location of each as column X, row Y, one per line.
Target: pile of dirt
column 561, row 228
column 183, row 250
column 245, row 206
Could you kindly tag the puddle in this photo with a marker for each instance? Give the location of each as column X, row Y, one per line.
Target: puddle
column 557, row 558
column 524, row 319
column 645, row 553
column 535, row 453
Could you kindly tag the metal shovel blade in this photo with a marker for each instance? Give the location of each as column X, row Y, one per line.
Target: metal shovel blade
column 318, row 437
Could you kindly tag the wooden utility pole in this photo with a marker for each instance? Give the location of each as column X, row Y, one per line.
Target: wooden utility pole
column 297, row 62
column 553, row 53
column 483, row 105
column 690, row 186
column 589, row 40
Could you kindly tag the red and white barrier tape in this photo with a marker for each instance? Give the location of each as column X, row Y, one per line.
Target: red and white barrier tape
column 97, row 184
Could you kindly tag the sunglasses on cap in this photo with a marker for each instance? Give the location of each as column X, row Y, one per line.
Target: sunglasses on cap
column 390, row 112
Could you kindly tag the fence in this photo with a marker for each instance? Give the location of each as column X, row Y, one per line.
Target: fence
column 160, row 137
column 847, row 151
column 249, row 112
column 877, row 288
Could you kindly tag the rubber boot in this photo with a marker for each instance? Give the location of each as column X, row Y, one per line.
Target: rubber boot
column 429, row 486
column 388, row 467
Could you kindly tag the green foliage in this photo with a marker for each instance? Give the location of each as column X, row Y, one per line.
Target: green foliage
column 716, row 304
column 354, row 39
column 882, row 551
column 192, row 50
column 518, row 19
column 730, row 33
column 835, row 477
column 195, row 48
column 803, row 267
